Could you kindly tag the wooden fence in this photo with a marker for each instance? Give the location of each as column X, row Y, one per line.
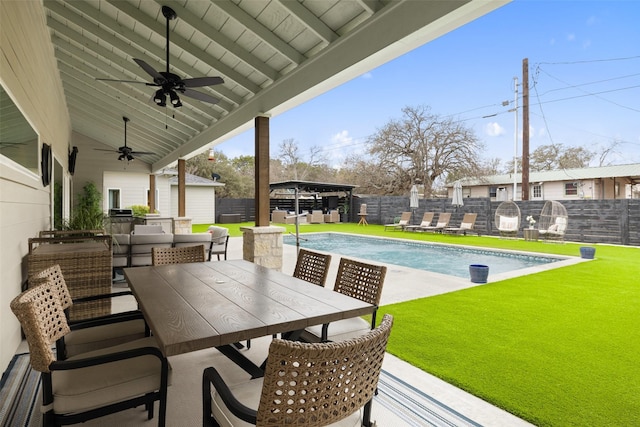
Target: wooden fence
column 590, row 221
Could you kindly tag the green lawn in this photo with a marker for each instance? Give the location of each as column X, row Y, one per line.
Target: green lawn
column 557, row 348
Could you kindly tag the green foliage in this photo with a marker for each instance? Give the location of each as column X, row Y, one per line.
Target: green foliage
column 140, row 210
column 87, row 214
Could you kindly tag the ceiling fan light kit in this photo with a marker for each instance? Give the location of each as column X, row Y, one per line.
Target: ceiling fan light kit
column 125, row 152
column 169, row 83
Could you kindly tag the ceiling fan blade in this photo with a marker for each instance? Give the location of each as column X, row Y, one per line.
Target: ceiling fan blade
column 200, row 96
column 202, row 81
column 141, row 153
column 157, row 77
column 126, row 81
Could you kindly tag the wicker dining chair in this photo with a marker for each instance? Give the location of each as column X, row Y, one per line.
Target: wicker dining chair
column 358, row 280
column 95, row 333
column 312, row 267
column 180, row 255
column 310, row 384
column 92, row 384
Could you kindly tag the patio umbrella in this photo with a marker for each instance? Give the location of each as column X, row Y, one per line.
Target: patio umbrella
column 413, row 199
column 457, row 194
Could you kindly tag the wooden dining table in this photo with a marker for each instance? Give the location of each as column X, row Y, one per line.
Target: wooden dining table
column 194, row 306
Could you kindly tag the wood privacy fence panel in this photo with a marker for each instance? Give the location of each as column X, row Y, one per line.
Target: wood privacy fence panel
column 590, row 221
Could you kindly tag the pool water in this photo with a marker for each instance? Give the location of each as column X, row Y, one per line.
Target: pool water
column 445, row 259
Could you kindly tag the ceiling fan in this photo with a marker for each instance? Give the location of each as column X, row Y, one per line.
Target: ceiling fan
column 170, row 83
column 126, row 153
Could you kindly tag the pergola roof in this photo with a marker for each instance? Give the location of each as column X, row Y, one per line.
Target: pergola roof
column 272, row 54
column 312, row 187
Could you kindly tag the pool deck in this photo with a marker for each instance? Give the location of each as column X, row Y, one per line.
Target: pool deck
column 404, row 284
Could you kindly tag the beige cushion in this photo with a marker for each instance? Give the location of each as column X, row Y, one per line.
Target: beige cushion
column 508, row 223
column 141, row 245
column 97, row 337
column 343, row 329
column 248, row 393
column 83, row 389
column 147, row 229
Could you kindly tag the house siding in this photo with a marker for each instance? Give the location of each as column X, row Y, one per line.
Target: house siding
column 200, row 203
column 30, row 75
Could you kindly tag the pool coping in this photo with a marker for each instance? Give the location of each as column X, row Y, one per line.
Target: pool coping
column 406, row 283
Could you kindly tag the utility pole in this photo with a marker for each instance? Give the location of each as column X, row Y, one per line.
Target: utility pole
column 515, row 139
column 525, row 129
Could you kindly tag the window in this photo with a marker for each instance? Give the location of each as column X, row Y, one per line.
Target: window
column 493, row 192
column 537, row 191
column 18, row 140
column 114, row 198
column 571, row 189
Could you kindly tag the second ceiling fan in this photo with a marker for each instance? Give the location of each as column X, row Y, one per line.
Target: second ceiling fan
column 170, row 84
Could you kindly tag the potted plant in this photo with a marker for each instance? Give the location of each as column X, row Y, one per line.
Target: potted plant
column 344, row 212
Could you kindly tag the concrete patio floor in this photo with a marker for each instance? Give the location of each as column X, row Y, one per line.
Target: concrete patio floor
column 401, row 284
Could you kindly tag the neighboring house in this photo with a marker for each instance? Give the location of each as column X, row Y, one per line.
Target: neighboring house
column 124, row 189
column 200, row 198
column 606, row 182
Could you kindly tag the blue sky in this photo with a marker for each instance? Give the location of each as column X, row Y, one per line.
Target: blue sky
column 584, row 74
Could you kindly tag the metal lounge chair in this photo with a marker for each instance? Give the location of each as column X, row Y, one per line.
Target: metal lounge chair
column 443, row 222
column 426, row 222
column 466, row 225
column 304, row 384
column 404, row 221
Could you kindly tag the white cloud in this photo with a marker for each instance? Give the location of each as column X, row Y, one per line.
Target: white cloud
column 341, row 138
column 494, row 129
column 341, row 145
column 367, row 76
column 571, row 37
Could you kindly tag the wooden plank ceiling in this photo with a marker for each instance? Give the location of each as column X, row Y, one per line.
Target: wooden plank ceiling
column 272, row 55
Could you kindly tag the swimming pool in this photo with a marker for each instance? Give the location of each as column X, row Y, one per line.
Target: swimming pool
column 445, row 259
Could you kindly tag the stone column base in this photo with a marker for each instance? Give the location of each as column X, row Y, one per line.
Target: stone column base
column 263, row 246
column 182, row 225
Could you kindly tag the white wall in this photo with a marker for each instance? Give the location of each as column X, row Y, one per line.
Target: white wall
column 30, row 76
column 200, row 203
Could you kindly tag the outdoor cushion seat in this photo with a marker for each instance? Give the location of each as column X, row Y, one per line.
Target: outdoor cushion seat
column 443, row 222
column 93, row 384
column 120, row 249
column 316, row 217
column 141, row 245
column 78, row 390
column 219, row 242
column 193, row 239
column 320, row 384
column 405, row 217
column 359, row 280
column 95, row 333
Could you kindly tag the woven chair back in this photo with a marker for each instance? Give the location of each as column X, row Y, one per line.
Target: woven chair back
column 312, row 267
column 320, row 384
column 54, row 275
column 42, row 318
column 360, row 280
column 180, row 255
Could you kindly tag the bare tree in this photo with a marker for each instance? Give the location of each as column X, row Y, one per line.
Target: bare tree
column 422, row 146
column 293, row 164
